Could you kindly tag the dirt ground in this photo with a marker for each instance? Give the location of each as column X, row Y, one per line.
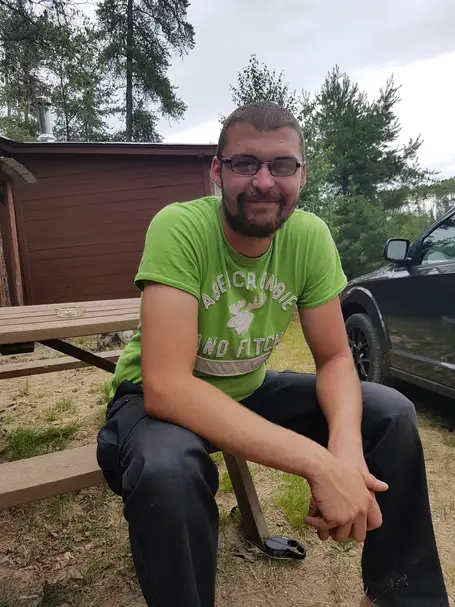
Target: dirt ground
column 72, row 550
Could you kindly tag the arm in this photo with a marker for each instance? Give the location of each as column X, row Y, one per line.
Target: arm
column 340, row 398
column 337, row 384
column 172, row 393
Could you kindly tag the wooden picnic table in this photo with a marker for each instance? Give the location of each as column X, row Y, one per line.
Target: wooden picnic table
column 49, row 324
column 23, row 326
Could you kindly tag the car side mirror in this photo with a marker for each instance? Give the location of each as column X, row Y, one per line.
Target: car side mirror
column 396, row 249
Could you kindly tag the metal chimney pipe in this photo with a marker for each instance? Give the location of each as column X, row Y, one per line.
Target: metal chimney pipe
column 45, row 123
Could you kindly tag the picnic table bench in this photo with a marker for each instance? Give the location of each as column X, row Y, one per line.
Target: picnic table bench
column 21, row 327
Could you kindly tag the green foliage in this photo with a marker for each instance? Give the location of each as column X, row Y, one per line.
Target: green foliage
column 360, row 136
column 295, row 499
column 226, row 483
column 139, row 38
column 359, row 180
column 49, row 48
column 217, row 457
column 257, row 83
column 82, row 96
column 63, row 405
column 25, row 442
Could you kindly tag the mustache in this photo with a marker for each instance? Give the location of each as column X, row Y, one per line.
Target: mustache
column 256, row 196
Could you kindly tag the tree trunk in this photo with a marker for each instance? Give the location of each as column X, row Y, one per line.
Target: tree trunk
column 129, row 73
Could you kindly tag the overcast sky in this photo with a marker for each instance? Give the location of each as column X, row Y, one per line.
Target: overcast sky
column 369, row 39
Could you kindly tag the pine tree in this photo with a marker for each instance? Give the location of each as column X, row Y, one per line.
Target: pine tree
column 140, row 36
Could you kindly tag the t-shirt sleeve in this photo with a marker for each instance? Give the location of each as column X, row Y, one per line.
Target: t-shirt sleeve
column 169, row 255
column 324, row 276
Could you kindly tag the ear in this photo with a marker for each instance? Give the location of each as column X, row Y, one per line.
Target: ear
column 215, row 171
column 303, row 175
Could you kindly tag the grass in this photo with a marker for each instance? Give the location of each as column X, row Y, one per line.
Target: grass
column 292, row 353
column 25, row 390
column 226, row 483
column 217, row 457
column 294, row 499
column 103, row 391
column 22, row 443
column 63, row 405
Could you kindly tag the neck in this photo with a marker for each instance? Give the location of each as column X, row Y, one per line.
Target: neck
column 246, row 245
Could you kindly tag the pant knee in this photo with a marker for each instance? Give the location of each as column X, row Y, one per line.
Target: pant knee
column 170, row 476
column 385, row 405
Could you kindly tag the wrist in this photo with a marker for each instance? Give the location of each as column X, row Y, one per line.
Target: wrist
column 317, row 464
column 346, row 434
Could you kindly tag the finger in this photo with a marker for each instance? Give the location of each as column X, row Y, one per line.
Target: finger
column 341, row 534
column 323, row 535
column 359, row 529
column 374, row 484
column 318, row 523
column 374, row 516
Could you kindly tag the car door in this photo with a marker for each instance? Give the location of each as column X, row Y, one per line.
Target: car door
column 419, row 307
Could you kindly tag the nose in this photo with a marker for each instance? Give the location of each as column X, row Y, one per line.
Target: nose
column 263, row 180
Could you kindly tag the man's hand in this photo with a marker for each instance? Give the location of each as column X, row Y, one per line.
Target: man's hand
column 360, row 522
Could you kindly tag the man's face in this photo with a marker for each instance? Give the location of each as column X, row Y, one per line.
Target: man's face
column 258, row 205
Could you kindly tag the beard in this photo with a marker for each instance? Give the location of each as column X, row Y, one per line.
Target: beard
column 255, row 228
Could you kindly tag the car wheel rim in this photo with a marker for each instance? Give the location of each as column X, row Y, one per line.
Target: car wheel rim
column 360, row 350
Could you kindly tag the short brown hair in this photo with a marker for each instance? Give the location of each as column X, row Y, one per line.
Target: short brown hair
column 264, row 116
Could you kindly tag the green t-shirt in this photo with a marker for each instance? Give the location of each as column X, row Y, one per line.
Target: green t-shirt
column 245, row 304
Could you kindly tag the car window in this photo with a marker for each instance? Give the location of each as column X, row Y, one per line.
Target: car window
column 439, row 246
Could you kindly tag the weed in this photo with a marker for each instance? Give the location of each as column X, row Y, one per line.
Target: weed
column 103, row 390
column 226, row 483
column 8, row 418
column 217, row 457
column 25, row 390
column 295, row 500
column 348, row 547
column 63, row 405
column 100, row 417
column 22, row 443
column 450, row 440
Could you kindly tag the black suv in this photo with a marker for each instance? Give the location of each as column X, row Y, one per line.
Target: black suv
column 400, row 319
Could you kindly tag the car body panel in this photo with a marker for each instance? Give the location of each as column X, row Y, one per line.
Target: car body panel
column 412, row 306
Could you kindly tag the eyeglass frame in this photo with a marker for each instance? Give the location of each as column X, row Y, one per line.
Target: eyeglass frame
column 227, row 160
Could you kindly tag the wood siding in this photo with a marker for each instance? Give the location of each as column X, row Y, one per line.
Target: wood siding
column 82, row 227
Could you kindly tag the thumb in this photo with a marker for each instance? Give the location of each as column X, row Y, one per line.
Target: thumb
column 375, row 484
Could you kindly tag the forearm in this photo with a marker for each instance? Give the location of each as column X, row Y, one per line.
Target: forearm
column 205, row 410
column 340, row 398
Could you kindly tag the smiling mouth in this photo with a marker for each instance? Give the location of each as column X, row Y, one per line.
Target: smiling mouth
column 263, row 201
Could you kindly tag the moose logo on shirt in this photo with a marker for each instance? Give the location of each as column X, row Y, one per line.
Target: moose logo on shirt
column 242, row 319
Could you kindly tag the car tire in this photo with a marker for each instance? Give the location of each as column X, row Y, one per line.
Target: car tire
column 365, row 348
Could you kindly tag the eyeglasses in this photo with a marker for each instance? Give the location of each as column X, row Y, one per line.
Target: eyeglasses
column 249, row 165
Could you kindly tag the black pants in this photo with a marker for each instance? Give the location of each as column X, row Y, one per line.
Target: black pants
column 168, row 484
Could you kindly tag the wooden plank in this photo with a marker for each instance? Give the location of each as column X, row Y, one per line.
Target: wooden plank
column 50, row 365
column 16, row 262
column 247, row 499
column 72, row 328
column 39, row 477
column 40, row 309
column 50, row 315
column 84, row 355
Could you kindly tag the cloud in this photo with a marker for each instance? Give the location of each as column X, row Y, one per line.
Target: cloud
column 305, row 39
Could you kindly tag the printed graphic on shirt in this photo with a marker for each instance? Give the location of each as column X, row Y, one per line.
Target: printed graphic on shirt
column 242, row 319
column 243, row 341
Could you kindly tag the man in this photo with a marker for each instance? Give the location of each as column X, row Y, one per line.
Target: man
column 220, row 280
